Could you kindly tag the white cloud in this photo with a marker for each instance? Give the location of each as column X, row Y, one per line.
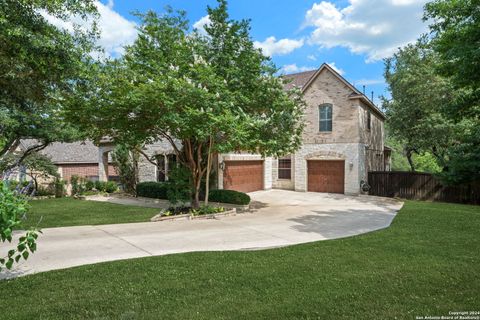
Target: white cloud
column 293, row 68
column 312, row 57
column 271, row 46
column 372, row 27
column 334, row 67
column 115, row 30
column 200, row 24
column 368, row 82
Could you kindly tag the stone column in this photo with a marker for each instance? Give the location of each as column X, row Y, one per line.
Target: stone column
column 103, row 161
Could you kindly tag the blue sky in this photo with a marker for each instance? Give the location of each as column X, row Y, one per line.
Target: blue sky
column 352, row 35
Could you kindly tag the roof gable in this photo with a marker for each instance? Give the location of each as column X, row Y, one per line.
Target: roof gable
column 303, row 81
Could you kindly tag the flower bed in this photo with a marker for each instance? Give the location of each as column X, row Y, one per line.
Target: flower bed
column 188, row 213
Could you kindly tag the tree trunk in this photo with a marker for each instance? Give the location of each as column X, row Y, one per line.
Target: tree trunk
column 193, row 155
column 209, row 168
column 35, row 183
column 409, row 155
column 196, row 198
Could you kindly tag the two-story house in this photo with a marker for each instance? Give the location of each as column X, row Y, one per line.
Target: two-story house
column 343, row 140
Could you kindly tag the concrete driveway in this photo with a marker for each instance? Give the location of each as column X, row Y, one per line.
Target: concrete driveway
column 279, row 218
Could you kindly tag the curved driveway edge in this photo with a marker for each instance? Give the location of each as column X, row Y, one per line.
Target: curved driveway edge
column 278, row 218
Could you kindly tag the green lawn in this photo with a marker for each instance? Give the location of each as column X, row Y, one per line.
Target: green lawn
column 71, row 212
column 427, row 263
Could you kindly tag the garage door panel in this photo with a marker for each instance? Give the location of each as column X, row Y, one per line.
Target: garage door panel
column 326, row 176
column 244, row 176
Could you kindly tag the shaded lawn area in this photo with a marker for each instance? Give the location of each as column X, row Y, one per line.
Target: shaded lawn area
column 71, row 212
column 426, row 263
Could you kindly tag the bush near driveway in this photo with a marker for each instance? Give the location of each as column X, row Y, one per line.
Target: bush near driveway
column 229, row 196
column 156, row 190
column 159, row 190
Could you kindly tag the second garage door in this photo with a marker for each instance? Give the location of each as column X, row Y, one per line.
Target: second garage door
column 244, row 176
column 326, row 176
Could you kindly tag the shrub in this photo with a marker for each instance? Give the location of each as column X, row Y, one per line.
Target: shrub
column 179, row 185
column 100, row 185
column 157, row 190
column 203, row 210
column 45, row 191
column 59, row 188
column 111, row 187
column 229, row 196
column 89, row 185
column 13, row 184
column 74, row 181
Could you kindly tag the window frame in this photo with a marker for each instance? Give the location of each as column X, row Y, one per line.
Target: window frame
column 284, row 169
column 327, row 120
column 161, row 175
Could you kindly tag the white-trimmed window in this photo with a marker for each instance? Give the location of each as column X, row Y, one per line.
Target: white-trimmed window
column 325, row 117
column 285, row 168
column 165, row 164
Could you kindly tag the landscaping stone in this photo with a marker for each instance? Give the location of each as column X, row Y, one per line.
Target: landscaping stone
column 160, row 217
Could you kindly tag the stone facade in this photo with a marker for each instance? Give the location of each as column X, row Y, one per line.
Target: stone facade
column 357, row 136
column 267, row 166
column 360, row 146
column 146, row 170
column 351, row 153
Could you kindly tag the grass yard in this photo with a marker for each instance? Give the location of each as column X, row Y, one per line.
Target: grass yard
column 426, row 264
column 71, row 212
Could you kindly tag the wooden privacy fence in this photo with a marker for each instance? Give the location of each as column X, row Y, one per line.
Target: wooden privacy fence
column 420, row 186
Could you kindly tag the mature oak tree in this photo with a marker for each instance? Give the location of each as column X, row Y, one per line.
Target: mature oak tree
column 205, row 94
column 418, row 100
column 455, row 34
column 40, row 66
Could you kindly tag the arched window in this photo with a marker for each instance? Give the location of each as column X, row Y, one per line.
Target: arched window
column 325, row 117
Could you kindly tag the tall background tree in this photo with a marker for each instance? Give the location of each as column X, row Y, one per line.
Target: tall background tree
column 435, row 87
column 204, row 94
column 419, row 99
column 40, row 66
column 455, row 32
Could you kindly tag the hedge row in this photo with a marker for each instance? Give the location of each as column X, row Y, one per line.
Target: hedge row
column 158, row 190
column 229, row 196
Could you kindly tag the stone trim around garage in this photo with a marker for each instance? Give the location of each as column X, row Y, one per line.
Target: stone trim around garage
column 349, row 152
column 267, row 166
column 159, row 217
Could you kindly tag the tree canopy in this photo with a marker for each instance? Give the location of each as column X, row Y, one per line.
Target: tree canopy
column 435, row 88
column 205, row 94
column 420, row 97
column 40, row 66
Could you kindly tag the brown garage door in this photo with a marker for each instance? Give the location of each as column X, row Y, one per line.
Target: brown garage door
column 244, row 176
column 326, row 176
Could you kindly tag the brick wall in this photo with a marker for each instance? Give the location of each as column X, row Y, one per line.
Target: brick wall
column 87, row 170
column 327, row 88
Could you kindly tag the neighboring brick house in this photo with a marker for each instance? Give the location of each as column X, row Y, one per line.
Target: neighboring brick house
column 342, row 141
column 77, row 158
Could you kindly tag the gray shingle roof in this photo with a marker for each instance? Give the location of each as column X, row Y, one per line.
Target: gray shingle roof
column 60, row 152
column 298, row 80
